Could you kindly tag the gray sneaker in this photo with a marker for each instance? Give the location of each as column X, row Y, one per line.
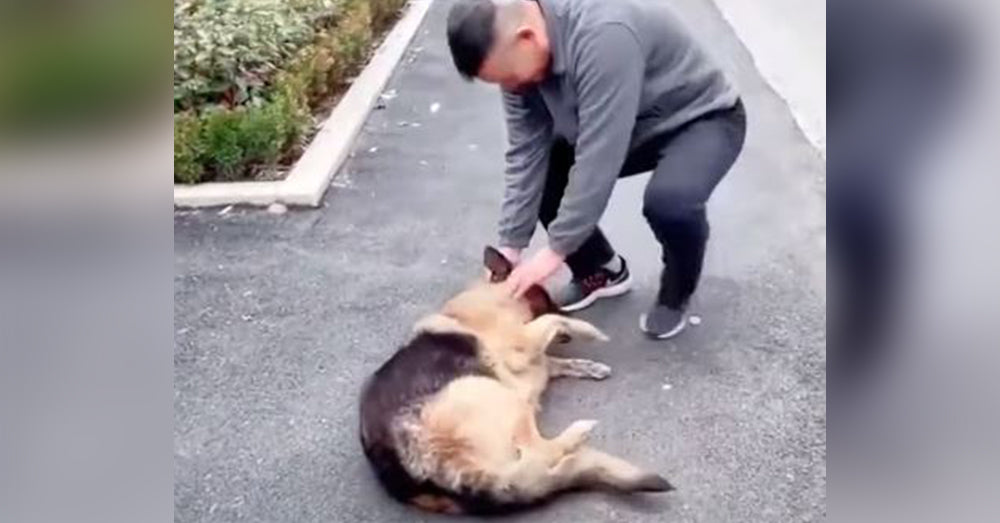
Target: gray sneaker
column 583, row 292
column 662, row 322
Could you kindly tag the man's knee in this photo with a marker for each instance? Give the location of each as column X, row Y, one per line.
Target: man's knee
column 668, row 208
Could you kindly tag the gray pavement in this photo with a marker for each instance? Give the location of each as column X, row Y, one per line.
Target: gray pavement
column 280, row 318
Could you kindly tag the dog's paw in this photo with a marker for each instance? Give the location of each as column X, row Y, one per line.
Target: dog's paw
column 652, row 483
column 595, row 370
column 584, row 426
column 600, row 336
column 577, row 433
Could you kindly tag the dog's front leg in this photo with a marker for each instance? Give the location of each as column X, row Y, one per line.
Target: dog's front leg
column 548, row 328
column 577, row 368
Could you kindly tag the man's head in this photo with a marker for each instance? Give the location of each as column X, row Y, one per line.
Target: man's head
column 499, row 41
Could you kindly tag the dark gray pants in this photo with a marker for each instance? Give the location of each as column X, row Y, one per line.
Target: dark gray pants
column 687, row 164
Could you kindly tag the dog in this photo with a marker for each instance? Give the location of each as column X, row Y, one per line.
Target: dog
column 448, row 423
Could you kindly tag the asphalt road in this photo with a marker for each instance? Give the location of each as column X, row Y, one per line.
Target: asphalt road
column 279, row 318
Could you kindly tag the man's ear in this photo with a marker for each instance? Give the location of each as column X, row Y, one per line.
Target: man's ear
column 499, row 266
column 540, row 302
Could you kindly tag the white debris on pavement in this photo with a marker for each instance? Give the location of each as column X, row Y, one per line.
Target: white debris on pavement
column 414, row 54
column 225, row 211
column 389, row 95
column 694, row 320
column 667, row 386
column 435, row 107
column 277, row 208
column 373, row 150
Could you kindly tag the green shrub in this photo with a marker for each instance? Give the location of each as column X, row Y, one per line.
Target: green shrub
column 226, row 50
column 247, row 74
column 221, row 137
column 230, row 143
column 384, row 12
column 270, row 129
column 262, row 136
column 187, row 148
column 354, row 32
column 292, row 106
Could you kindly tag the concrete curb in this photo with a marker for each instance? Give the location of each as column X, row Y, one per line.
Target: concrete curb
column 311, row 175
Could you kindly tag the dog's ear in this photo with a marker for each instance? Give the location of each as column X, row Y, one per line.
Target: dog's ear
column 540, row 302
column 499, row 266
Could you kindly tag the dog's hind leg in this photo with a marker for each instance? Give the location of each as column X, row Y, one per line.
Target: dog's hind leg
column 591, row 468
column 586, row 468
column 529, row 477
column 577, row 368
column 534, row 477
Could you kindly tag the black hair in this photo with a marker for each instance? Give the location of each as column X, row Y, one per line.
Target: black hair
column 471, row 34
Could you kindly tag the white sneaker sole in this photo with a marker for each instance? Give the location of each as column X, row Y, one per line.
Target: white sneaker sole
column 607, row 292
column 666, row 335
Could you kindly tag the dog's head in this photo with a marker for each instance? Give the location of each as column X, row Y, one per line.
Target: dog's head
column 536, row 297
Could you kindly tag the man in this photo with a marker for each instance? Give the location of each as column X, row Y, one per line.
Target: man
column 594, row 90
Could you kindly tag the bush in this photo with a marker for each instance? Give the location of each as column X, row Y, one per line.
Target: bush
column 384, row 12
column 187, row 149
column 226, row 50
column 221, row 137
column 232, row 143
column 247, row 74
column 354, row 32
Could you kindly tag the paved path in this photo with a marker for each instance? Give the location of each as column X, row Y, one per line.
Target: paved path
column 279, row 319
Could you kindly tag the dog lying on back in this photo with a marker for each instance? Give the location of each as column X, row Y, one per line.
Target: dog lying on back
column 448, row 423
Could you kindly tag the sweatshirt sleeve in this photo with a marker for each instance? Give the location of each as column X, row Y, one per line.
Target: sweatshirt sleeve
column 610, row 69
column 529, row 132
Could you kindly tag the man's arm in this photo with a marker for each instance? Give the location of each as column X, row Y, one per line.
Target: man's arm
column 610, row 69
column 529, row 133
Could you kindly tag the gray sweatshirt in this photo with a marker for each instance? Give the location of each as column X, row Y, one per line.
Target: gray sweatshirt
column 623, row 72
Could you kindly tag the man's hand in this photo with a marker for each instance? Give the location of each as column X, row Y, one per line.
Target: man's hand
column 536, row 270
column 513, row 255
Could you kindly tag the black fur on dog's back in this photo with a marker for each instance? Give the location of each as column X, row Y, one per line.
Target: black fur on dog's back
column 416, row 372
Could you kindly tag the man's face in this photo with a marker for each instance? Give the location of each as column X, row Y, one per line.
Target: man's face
column 517, row 62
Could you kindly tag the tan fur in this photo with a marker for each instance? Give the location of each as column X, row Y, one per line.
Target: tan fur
column 481, row 433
